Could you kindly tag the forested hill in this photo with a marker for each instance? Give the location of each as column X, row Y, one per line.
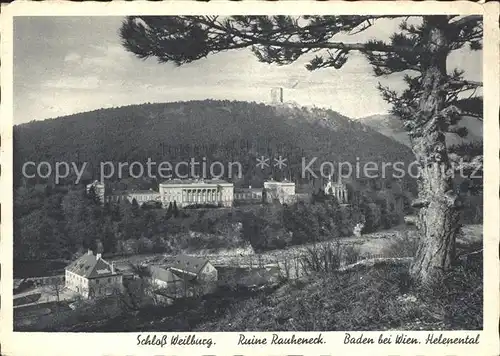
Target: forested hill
column 391, row 126
column 222, row 130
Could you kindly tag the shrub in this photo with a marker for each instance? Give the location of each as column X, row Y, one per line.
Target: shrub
column 324, row 258
column 405, row 244
column 350, row 255
column 473, row 210
column 143, row 245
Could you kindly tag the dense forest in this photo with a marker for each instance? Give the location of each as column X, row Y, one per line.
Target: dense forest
column 218, row 130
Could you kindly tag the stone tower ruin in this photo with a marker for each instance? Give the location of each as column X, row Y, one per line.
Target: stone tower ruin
column 277, row 95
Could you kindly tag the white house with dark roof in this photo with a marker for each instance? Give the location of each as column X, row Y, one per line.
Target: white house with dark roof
column 187, row 276
column 167, row 283
column 192, row 267
column 91, row 276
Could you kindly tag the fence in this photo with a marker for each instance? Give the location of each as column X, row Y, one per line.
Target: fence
column 292, row 265
column 41, row 281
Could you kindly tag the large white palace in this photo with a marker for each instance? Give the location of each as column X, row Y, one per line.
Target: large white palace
column 187, row 192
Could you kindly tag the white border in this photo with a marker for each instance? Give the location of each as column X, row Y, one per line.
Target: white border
column 125, row 343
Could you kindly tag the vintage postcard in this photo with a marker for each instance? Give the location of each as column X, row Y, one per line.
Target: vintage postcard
column 249, row 178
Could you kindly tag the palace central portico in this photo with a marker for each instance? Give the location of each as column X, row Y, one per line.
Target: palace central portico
column 187, row 192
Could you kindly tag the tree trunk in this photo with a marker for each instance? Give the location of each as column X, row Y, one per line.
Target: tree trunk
column 439, row 215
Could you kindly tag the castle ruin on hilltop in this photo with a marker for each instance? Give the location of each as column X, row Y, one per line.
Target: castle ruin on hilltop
column 277, row 96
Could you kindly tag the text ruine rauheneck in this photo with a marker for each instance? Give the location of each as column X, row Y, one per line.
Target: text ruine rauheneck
column 276, row 339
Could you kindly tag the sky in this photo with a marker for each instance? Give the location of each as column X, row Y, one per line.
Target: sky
column 66, row 65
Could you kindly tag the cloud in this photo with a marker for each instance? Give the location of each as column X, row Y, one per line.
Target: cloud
column 106, row 57
column 72, row 57
column 96, row 58
column 87, row 82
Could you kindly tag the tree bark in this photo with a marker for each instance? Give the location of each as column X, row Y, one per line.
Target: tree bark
column 439, row 217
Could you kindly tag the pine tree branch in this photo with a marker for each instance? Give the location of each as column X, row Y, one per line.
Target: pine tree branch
column 264, row 40
column 470, row 83
column 466, row 20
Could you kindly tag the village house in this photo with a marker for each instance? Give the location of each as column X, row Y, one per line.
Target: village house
column 92, row 277
column 188, row 276
column 194, row 268
column 167, row 284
